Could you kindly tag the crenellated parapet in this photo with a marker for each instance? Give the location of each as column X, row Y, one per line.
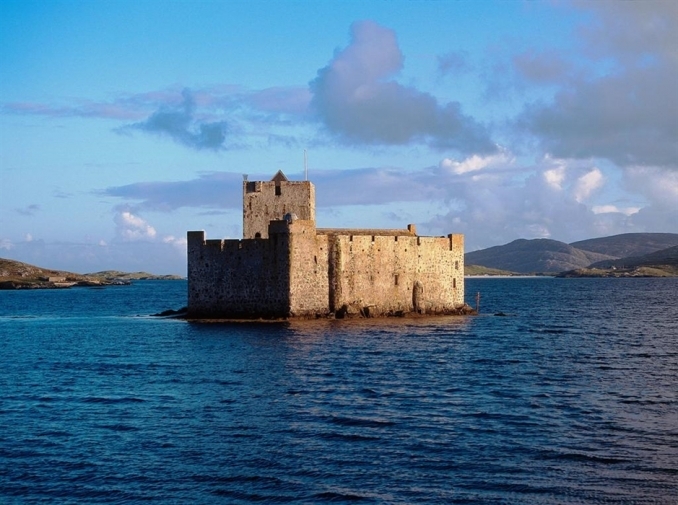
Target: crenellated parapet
column 290, row 268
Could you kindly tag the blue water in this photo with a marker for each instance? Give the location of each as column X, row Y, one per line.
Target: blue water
column 572, row 397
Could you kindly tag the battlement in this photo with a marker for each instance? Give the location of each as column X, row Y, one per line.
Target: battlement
column 264, row 202
column 286, row 267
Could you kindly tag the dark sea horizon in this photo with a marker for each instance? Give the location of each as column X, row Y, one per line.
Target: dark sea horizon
column 570, row 396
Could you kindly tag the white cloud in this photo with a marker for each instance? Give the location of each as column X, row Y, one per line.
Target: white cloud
column 179, row 243
column 587, row 184
column 493, row 199
column 476, row 163
column 132, row 228
column 658, row 185
column 359, row 101
column 554, row 177
column 552, row 199
column 620, row 103
column 136, row 246
column 613, row 209
column 28, row 237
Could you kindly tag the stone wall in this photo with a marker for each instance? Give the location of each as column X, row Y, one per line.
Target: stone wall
column 380, row 274
column 308, row 270
column 299, row 272
column 288, row 268
column 238, row 278
column 264, row 202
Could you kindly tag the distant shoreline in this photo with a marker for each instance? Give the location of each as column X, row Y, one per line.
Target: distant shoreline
column 506, row 276
column 18, row 275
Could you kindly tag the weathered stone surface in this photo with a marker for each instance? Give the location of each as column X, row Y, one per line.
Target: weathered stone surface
column 293, row 269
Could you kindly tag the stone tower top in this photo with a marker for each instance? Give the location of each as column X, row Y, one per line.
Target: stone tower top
column 264, row 202
column 280, row 177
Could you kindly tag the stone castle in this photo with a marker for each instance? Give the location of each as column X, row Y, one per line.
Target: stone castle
column 285, row 267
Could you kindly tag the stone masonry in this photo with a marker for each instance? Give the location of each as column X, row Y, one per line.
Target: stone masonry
column 286, row 267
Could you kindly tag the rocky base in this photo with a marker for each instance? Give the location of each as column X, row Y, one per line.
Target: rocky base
column 349, row 311
column 345, row 312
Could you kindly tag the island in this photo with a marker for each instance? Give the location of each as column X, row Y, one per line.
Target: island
column 18, row 275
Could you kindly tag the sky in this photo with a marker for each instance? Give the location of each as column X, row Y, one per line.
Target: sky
column 124, row 124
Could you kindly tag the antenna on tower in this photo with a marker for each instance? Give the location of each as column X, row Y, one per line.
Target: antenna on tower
column 305, row 166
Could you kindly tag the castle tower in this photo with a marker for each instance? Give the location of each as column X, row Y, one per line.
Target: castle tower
column 264, row 202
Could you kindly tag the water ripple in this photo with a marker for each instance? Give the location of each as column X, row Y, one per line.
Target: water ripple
column 562, row 402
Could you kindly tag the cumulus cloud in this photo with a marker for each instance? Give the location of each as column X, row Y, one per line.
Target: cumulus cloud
column 492, row 199
column 136, row 246
column 499, row 199
column 612, row 209
column 181, row 125
column 659, row 186
column 358, row 100
column 476, row 163
column 587, row 184
column 554, row 177
column 131, row 228
column 624, row 105
column 542, row 202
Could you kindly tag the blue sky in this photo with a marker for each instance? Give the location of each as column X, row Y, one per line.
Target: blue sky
column 124, row 124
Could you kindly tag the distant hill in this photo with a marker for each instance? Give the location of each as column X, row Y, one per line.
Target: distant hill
column 477, row 270
column 15, row 274
column 628, row 244
column 131, row 276
column 665, row 257
column 662, row 263
column 16, row 270
column 534, row 256
column 551, row 256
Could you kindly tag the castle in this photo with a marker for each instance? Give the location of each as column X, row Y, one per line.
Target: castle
column 285, row 267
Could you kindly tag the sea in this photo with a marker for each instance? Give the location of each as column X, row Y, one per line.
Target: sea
column 560, row 391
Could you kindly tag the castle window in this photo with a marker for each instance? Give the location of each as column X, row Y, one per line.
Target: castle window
column 278, row 191
column 456, row 265
column 257, row 235
column 454, row 283
column 396, row 279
